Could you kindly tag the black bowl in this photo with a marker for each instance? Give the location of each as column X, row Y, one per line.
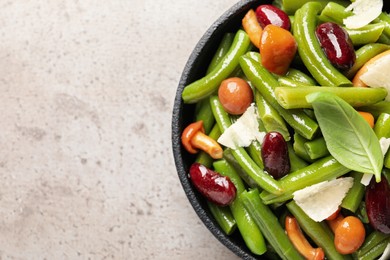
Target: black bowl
column 183, row 114
column 195, row 68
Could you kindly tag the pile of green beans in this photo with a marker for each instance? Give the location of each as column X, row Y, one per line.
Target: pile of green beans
column 262, row 202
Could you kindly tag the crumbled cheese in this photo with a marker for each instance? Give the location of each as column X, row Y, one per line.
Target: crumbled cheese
column 364, row 12
column 321, row 200
column 243, row 131
column 385, row 144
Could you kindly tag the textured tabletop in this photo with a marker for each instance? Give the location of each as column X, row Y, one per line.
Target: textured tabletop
column 86, row 165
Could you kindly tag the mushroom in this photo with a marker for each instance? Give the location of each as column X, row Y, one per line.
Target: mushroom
column 299, row 241
column 349, row 233
column 193, row 138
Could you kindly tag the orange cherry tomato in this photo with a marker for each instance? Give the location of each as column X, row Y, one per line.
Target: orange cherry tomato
column 235, row 95
column 349, row 235
column 277, row 49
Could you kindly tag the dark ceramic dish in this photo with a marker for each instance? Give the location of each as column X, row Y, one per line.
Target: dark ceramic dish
column 195, row 68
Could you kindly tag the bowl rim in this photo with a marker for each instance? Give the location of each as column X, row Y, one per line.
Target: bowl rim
column 212, row 34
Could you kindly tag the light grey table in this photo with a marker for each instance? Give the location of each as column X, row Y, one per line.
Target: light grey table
column 86, row 166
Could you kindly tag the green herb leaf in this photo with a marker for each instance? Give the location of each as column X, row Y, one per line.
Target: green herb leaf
column 350, row 140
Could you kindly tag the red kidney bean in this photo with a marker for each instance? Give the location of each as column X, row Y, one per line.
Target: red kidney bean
column 269, row 14
column 336, row 44
column 274, row 153
column 377, row 201
column 215, row 187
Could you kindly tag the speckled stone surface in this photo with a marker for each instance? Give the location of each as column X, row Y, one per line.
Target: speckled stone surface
column 86, row 166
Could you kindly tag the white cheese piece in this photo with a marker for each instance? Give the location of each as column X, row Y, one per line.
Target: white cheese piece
column 377, row 75
column 321, row 200
column 364, row 12
column 386, row 253
column 366, row 178
column 243, row 131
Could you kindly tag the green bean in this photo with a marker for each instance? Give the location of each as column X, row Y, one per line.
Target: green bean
column 292, row 21
column 264, row 180
column 382, row 126
column 366, row 34
column 224, row 217
column 261, row 126
column 269, row 225
column 300, row 77
column 270, row 117
column 316, row 148
column 265, row 84
column 286, row 82
column 291, row 81
column 370, row 245
column 310, row 113
column 355, row 195
column 250, row 232
column 324, row 169
column 222, row 49
column 300, row 149
column 385, row 18
column 296, row 162
column 291, row 6
column 386, row 160
column 382, row 129
column 209, row 83
column 384, row 39
column 310, row 50
column 203, row 157
column 292, row 75
column 290, row 98
column 376, row 252
column 321, row 170
column 334, row 12
column 361, row 213
column 254, row 151
column 364, row 54
column 228, row 155
column 318, row 232
column 386, row 173
column 221, row 116
column 256, row 57
column 293, row 78
column 203, row 112
column 377, row 109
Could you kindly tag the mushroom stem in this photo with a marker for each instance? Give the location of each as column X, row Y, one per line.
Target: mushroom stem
column 207, row 144
column 193, row 138
column 299, row 241
column 333, row 223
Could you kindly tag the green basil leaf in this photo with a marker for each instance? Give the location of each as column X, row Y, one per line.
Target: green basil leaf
column 350, row 140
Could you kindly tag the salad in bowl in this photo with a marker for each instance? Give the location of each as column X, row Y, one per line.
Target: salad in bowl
column 281, row 129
